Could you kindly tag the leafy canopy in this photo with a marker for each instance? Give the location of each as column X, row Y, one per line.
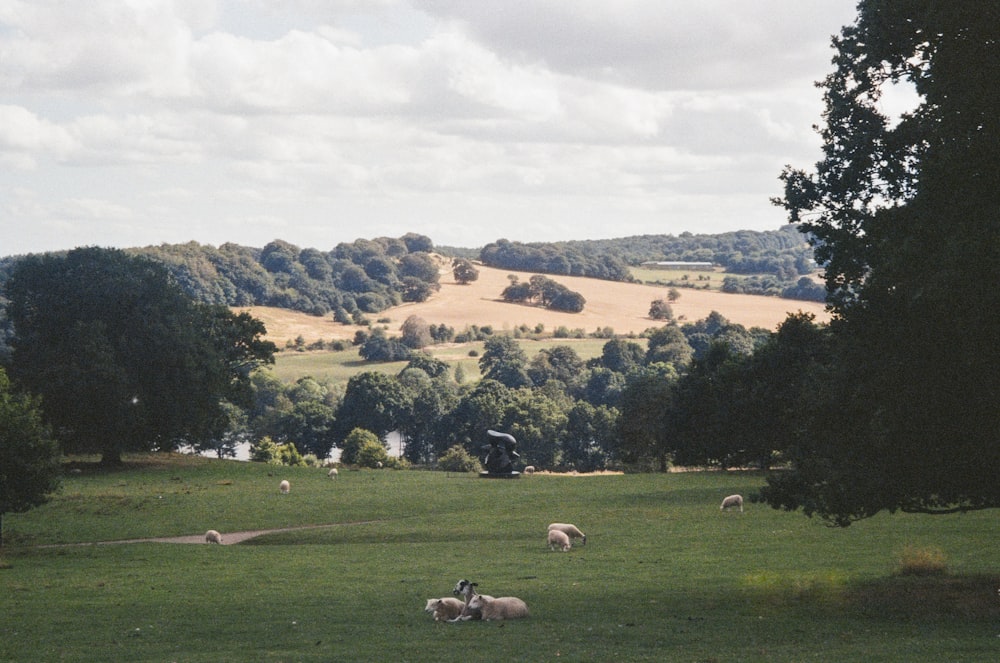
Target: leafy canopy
column 904, row 215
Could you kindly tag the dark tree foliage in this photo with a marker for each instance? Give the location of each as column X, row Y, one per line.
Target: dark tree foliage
column 29, row 455
column 905, row 217
column 380, row 347
column 645, row 430
column 464, row 271
column 372, row 401
column 122, row 358
column 503, row 360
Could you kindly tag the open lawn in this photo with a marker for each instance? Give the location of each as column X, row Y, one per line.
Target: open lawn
column 665, row 576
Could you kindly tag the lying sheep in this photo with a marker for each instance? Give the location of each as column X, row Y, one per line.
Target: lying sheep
column 444, row 609
column 530, row 469
column 558, row 539
column 732, row 501
column 332, row 473
column 571, row 531
column 467, row 590
column 211, row 536
column 284, row 487
column 505, row 607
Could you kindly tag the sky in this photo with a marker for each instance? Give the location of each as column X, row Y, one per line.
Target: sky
column 140, row 122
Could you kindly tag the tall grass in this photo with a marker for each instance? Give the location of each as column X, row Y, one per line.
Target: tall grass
column 665, row 576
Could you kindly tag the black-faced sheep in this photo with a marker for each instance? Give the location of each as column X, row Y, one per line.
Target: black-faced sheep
column 530, row 469
column 558, row 539
column 505, row 607
column 732, row 501
column 284, row 487
column 211, row 536
column 332, row 473
column 571, row 531
column 444, row 609
column 467, row 590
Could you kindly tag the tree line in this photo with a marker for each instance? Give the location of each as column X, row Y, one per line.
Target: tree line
column 784, row 253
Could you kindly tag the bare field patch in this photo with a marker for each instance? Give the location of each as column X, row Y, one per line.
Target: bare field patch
column 624, row 307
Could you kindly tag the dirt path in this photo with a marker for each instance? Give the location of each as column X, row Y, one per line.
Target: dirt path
column 228, row 538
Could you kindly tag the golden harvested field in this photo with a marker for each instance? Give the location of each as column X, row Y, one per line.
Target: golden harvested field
column 621, row 306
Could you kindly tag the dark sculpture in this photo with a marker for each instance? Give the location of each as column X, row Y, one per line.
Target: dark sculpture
column 500, row 456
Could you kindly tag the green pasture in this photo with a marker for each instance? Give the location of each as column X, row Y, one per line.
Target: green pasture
column 665, row 576
column 702, row 279
column 338, row 367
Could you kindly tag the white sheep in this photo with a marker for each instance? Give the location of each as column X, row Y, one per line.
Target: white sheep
column 505, row 607
column 211, row 536
column 731, row 502
column 284, row 487
column 558, row 539
column 572, row 531
column 444, row 609
column 467, row 590
column 530, row 469
column 332, row 473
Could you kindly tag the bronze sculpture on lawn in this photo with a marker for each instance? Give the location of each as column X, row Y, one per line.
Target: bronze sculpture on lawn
column 500, row 456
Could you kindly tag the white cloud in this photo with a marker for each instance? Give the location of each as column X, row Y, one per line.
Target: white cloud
column 160, row 120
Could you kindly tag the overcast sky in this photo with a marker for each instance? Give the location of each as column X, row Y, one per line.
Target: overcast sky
column 136, row 122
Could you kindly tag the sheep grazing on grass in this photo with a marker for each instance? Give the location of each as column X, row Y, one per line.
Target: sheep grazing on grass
column 558, row 539
column 332, row 473
column 571, row 531
column 731, row 502
column 444, row 609
column 467, row 590
column 505, row 607
column 530, row 469
column 211, row 536
column 284, row 487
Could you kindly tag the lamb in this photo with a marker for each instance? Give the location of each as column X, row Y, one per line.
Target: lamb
column 505, row 607
column 559, row 539
column 332, row 473
column 468, row 590
column 284, row 487
column 571, row 531
column 732, row 501
column 211, row 536
column 444, row 609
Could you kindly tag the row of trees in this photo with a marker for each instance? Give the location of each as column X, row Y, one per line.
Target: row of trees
column 784, row 253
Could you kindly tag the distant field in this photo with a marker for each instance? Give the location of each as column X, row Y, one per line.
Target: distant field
column 340, row 366
column 624, row 307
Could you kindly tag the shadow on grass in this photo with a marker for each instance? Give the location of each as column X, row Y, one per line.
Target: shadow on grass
column 899, row 598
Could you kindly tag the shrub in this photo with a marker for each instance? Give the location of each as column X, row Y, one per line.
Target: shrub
column 913, row 561
column 457, row 459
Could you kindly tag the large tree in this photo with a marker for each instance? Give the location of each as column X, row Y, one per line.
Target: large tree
column 29, row 455
column 905, row 218
column 122, row 358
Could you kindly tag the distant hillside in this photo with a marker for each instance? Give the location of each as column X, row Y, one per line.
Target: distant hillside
column 622, row 307
column 783, row 253
column 366, row 277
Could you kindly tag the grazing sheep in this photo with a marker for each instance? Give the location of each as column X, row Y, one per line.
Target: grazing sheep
column 444, row 609
column 530, row 469
column 284, row 487
column 467, row 589
column 332, row 473
column 211, row 536
column 571, row 531
column 505, row 607
column 732, row 501
column 559, row 539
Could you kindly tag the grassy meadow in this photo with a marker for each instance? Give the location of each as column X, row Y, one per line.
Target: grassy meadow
column 338, row 367
column 664, row 576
